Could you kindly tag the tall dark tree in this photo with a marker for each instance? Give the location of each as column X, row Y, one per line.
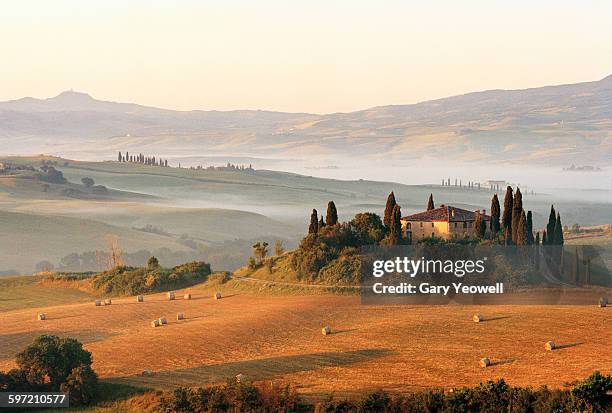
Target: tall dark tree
column 332, row 214
column 389, row 211
column 480, row 226
column 507, row 236
column 430, row 203
column 313, row 228
column 558, row 239
column 544, row 238
column 530, row 240
column 537, row 238
column 495, row 215
column 517, row 210
column 550, row 227
column 521, row 229
column 120, row 158
column 395, row 233
column 127, row 156
column 507, row 216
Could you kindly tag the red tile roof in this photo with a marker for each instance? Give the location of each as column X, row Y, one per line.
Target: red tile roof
column 445, row 213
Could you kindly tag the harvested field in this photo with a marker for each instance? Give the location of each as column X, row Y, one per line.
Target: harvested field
column 396, row 348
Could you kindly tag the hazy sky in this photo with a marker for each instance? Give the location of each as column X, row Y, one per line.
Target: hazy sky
column 296, row 55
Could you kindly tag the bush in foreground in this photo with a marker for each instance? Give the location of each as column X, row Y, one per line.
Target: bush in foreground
column 52, row 363
column 588, row 396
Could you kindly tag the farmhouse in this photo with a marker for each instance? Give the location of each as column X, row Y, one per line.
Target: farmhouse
column 445, row 222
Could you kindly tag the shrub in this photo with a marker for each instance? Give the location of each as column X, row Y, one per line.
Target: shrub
column 590, row 395
column 50, row 358
column 51, row 363
column 133, row 281
column 87, row 181
column 81, row 385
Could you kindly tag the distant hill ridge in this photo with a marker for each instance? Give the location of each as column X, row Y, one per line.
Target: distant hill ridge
column 551, row 124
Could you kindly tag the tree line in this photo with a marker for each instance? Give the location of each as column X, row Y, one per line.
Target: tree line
column 142, row 159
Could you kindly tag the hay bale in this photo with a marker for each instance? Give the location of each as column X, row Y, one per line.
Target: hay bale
column 140, row 298
column 171, row 295
column 477, row 318
column 41, row 316
column 326, row 330
column 187, row 296
column 147, row 372
column 98, row 303
column 155, row 323
column 603, row 302
column 180, row 316
column 163, row 321
column 485, row 362
column 108, row 301
column 550, row 345
column 217, row 295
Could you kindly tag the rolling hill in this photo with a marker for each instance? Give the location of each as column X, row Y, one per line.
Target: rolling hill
column 551, row 125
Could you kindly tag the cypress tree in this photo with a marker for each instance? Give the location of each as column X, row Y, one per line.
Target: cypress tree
column 550, row 227
column 537, row 239
column 389, row 211
column 119, row 158
column 321, row 222
column 430, row 203
column 530, row 239
column 558, row 240
column 544, row 238
column 507, row 217
column 332, row 214
column 396, row 226
column 517, row 209
column 314, row 223
column 507, row 236
column 521, row 230
column 495, row 214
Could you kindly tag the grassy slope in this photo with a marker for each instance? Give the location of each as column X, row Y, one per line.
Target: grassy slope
column 26, row 239
column 27, row 292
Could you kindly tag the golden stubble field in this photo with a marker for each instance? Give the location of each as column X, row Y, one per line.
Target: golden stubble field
column 397, row 348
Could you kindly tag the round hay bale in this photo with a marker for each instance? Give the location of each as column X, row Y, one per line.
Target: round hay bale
column 187, row 296
column 485, row 362
column 603, row 302
column 155, row 323
column 171, row 295
column 163, row 321
column 180, row 316
column 147, row 372
column 550, row 345
column 326, row 330
column 41, row 316
column 217, row 295
column 108, row 301
column 140, row 298
column 98, row 303
column 477, row 318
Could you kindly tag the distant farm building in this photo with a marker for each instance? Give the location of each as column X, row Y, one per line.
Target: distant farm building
column 445, row 222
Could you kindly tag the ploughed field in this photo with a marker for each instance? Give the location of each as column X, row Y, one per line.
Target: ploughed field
column 278, row 338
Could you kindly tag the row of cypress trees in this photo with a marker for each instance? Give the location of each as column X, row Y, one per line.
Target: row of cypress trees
column 140, row 158
column 517, row 226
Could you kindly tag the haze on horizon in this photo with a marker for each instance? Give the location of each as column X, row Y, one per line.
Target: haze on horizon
column 315, row 56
